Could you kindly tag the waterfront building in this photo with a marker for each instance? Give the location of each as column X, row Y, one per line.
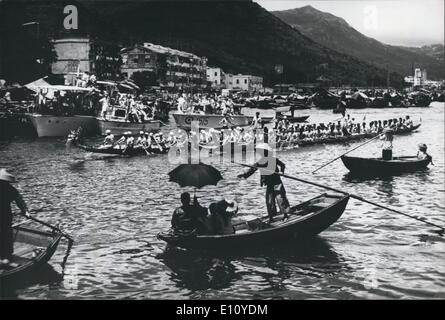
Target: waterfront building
column 243, row 82
column 216, row 77
column 171, row 67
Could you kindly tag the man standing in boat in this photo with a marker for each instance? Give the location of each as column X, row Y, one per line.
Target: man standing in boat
column 8, row 194
column 387, row 144
column 275, row 192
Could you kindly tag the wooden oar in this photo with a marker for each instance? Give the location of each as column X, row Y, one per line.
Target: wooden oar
column 146, row 151
column 69, row 238
column 378, row 136
column 352, row 196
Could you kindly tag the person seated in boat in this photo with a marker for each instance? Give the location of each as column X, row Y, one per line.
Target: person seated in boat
column 379, row 127
column 140, row 139
column 199, row 216
column 422, row 154
column 108, row 140
column 400, row 124
column 220, row 218
column 146, row 143
column 159, row 140
column 129, row 140
column 122, row 141
column 364, row 129
column 182, row 219
column 408, row 122
column 8, row 194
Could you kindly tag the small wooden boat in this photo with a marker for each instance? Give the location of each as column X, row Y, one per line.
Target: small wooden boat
column 295, row 119
column 379, row 167
column 136, row 151
column 32, row 249
column 305, row 220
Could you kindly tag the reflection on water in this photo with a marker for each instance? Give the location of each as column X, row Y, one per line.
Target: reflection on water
column 115, row 206
column 201, row 270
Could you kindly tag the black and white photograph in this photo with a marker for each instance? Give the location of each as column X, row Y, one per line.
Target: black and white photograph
column 242, row 150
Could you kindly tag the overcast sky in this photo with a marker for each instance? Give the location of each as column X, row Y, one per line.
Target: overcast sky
column 397, row 22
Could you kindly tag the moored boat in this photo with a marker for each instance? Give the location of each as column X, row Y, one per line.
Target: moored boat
column 207, row 121
column 32, row 249
column 379, row 167
column 306, row 220
column 295, row 119
column 60, row 126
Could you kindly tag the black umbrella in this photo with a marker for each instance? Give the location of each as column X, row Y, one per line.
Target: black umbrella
column 195, row 175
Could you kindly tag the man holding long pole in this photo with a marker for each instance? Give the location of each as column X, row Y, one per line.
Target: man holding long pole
column 275, row 192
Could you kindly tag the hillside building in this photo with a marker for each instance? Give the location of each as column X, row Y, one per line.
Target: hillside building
column 243, row 82
column 171, row 67
column 216, row 77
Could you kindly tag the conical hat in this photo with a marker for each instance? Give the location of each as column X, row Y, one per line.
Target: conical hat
column 6, row 176
column 263, row 146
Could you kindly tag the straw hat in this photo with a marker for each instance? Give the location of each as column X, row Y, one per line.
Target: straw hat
column 264, row 146
column 108, row 131
column 232, row 205
column 6, row 176
column 422, row 146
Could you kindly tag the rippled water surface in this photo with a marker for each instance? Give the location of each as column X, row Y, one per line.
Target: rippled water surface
column 114, row 207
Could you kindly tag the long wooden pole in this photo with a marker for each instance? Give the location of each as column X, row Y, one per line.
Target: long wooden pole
column 52, row 227
column 353, row 196
column 378, row 136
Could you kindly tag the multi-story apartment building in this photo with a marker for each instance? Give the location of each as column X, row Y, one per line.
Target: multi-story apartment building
column 171, row 67
column 216, row 77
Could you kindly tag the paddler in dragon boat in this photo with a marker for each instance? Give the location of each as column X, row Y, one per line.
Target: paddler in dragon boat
column 108, row 140
column 275, row 191
column 126, row 141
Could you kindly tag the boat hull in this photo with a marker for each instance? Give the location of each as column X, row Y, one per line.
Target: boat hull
column 379, row 167
column 207, row 121
column 61, row 126
column 294, row 229
column 26, row 242
column 119, row 127
column 123, row 152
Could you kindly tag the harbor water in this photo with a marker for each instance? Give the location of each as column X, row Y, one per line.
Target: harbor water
column 114, row 207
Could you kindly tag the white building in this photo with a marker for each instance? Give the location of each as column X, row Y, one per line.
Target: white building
column 216, row 77
column 243, row 82
column 420, row 76
column 173, row 67
column 73, row 55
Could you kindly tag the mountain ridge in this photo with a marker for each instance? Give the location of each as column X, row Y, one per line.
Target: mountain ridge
column 239, row 36
column 335, row 33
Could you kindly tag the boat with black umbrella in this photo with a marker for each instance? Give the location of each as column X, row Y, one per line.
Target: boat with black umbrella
column 305, row 220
